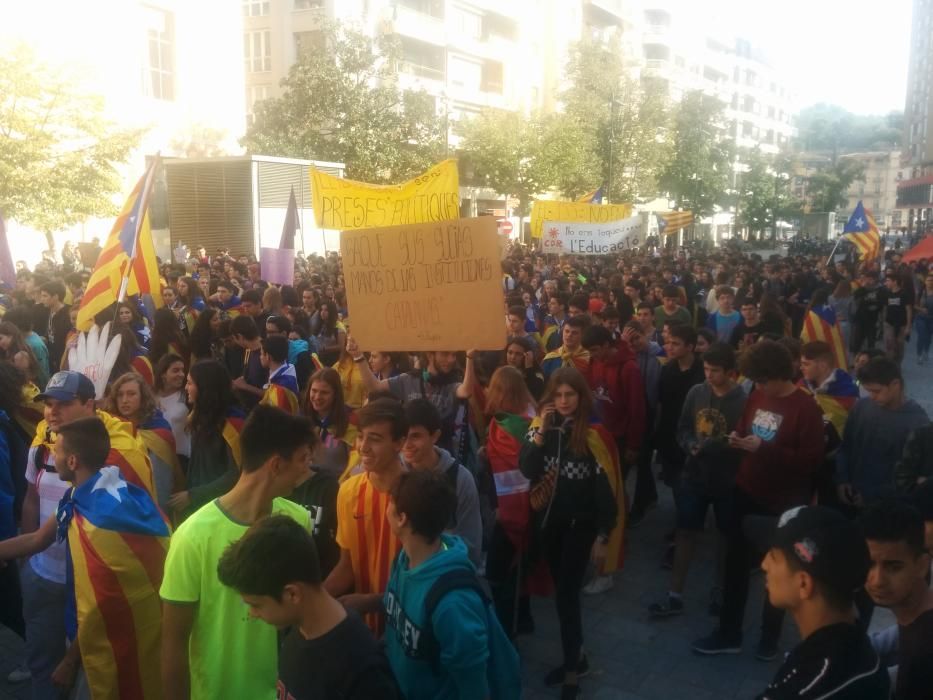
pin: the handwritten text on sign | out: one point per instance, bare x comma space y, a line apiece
425, 286
591, 239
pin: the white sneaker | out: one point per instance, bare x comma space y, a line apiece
20, 674
598, 585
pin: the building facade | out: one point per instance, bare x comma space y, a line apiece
878, 190
915, 191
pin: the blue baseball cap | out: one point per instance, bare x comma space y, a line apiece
68, 386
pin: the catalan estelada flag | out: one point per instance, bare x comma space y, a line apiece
593, 197
820, 324
117, 541
503, 444
128, 255
862, 232
673, 221
156, 434
836, 397
282, 390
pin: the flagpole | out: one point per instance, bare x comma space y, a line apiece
143, 211
830, 258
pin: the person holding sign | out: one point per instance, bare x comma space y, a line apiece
438, 380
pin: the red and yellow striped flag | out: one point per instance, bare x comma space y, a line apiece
821, 324
673, 221
127, 255
862, 231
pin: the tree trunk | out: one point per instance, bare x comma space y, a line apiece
50, 240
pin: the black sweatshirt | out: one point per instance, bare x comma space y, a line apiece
582, 491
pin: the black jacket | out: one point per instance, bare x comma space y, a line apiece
582, 491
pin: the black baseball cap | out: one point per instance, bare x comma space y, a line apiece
826, 545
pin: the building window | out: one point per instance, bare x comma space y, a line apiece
466, 23
255, 8
254, 95
309, 4
257, 51
464, 73
160, 36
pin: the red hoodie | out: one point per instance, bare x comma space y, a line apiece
619, 395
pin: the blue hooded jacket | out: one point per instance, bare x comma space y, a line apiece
459, 624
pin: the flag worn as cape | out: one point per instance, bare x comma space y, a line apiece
156, 434
820, 324
604, 450
578, 359
117, 541
836, 397
503, 445
282, 390
143, 367
30, 411
233, 426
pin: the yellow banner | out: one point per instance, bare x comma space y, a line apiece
575, 212
347, 204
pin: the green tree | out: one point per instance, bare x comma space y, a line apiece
830, 129
59, 156
826, 190
764, 194
344, 104
620, 126
699, 172
511, 153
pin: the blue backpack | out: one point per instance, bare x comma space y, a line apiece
503, 669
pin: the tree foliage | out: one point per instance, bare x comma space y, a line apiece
699, 173
59, 156
826, 190
621, 126
511, 153
764, 194
344, 104
831, 129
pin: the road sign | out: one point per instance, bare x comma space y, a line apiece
505, 227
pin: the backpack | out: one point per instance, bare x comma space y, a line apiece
485, 491
503, 672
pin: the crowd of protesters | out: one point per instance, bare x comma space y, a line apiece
392, 513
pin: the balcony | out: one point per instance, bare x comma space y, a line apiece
603, 12
420, 25
420, 71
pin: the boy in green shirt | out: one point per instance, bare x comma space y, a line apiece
211, 648
670, 309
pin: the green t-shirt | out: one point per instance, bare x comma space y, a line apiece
681, 316
230, 654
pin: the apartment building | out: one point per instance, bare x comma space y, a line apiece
878, 191
915, 191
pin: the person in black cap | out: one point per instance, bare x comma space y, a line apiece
817, 561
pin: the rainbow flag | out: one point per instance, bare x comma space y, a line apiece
233, 426
580, 359
282, 390
673, 221
503, 443
862, 231
604, 450
820, 324
117, 542
127, 263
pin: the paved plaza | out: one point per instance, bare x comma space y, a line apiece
632, 657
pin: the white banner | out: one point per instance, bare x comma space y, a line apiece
583, 238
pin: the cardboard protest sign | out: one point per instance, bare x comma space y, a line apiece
572, 238
435, 286
347, 204
546, 210
277, 265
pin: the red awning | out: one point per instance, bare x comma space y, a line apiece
924, 249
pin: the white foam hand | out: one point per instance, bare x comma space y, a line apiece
94, 357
